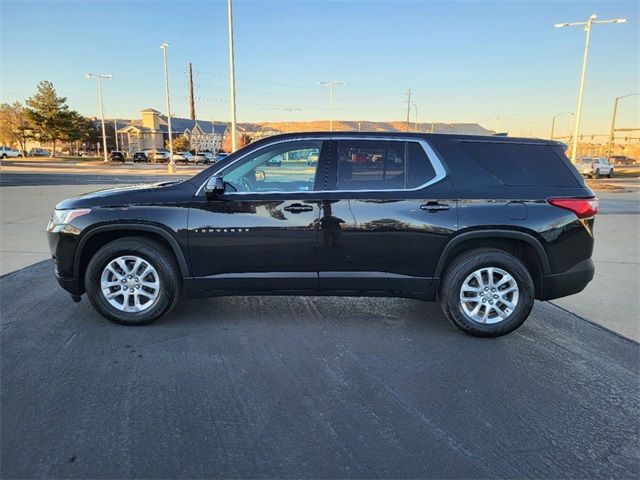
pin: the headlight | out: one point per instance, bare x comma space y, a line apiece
62, 217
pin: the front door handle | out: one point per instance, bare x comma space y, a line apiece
434, 206
298, 207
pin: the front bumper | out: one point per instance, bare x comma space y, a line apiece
72, 285
567, 283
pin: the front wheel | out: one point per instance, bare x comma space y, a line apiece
133, 281
598, 173
610, 173
487, 292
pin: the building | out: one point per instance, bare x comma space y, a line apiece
152, 132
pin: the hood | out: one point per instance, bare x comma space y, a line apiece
147, 193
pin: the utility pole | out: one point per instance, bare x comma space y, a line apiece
331, 84
408, 107
232, 79
613, 122
192, 105
115, 133
291, 110
553, 122
104, 132
415, 125
587, 28
171, 166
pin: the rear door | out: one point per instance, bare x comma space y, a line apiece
386, 218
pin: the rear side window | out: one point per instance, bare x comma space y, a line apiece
382, 165
521, 165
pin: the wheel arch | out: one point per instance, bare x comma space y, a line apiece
101, 235
523, 245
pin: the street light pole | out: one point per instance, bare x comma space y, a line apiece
100, 76
587, 28
115, 133
613, 122
171, 166
331, 84
232, 79
553, 122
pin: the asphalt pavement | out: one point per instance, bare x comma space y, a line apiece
264, 387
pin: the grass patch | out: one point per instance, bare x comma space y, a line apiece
596, 185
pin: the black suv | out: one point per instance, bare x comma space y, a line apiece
116, 156
484, 225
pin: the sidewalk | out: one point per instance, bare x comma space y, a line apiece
24, 215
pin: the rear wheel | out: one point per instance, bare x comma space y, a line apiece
487, 292
133, 281
598, 173
610, 173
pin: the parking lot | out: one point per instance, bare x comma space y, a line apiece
317, 387
313, 387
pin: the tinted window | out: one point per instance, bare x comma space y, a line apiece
382, 165
284, 167
521, 164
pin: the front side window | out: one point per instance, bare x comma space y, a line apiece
382, 165
284, 167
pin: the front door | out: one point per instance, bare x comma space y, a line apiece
387, 219
262, 233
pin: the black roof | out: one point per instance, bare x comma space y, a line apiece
412, 135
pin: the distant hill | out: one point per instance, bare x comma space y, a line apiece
365, 126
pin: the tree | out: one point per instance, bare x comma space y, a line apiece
181, 144
48, 114
14, 126
80, 128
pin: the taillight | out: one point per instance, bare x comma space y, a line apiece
582, 207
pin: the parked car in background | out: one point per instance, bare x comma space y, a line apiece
199, 158
210, 157
38, 152
140, 157
180, 156
312, 159
156, 155
116, 156
221, 156
484, 225
8, 152
595, 167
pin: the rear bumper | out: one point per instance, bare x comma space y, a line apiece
567, 283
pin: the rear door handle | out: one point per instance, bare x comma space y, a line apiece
298, 207
434, 206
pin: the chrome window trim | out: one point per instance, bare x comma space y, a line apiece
433, 157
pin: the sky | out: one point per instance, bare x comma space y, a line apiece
465, 61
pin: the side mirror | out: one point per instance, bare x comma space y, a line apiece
215, 185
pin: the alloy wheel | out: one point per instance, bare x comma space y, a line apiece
489, 295
130, 284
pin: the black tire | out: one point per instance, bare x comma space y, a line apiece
610, 173
465, 264
4, 155
598, 173
156, 255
